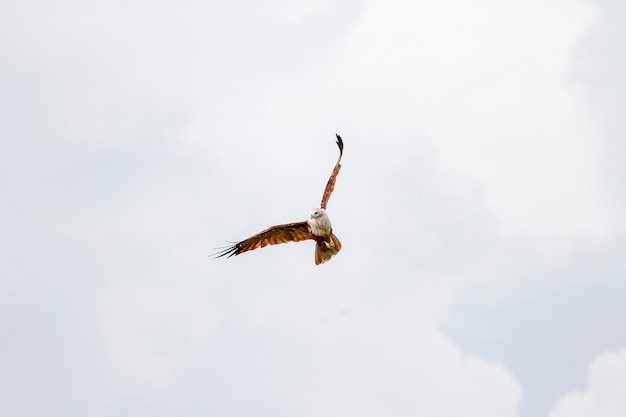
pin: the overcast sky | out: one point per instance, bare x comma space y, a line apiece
480, 206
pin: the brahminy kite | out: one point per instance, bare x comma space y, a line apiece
317, 228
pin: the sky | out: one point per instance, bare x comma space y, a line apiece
480, 207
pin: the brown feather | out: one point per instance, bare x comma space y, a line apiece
330, 185
326, 248
282, 233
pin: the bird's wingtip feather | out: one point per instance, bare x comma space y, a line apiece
227, 251
339, 142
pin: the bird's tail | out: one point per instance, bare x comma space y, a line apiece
326, 249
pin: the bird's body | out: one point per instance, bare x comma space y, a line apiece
327, 244
317, 227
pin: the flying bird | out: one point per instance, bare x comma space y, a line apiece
317, 227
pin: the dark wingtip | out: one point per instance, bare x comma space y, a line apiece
339, 143
227, 251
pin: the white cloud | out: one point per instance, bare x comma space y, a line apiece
489, 84
604, 396
149, 332
143, 134
395, 361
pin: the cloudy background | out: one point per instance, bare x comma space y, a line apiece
480, 205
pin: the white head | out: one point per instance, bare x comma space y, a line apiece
317, 212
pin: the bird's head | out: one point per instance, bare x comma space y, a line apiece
317, 212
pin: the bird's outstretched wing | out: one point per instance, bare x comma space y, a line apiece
330, 185
282, 233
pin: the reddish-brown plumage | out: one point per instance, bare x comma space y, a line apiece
330, 185
282, 233
326, 248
